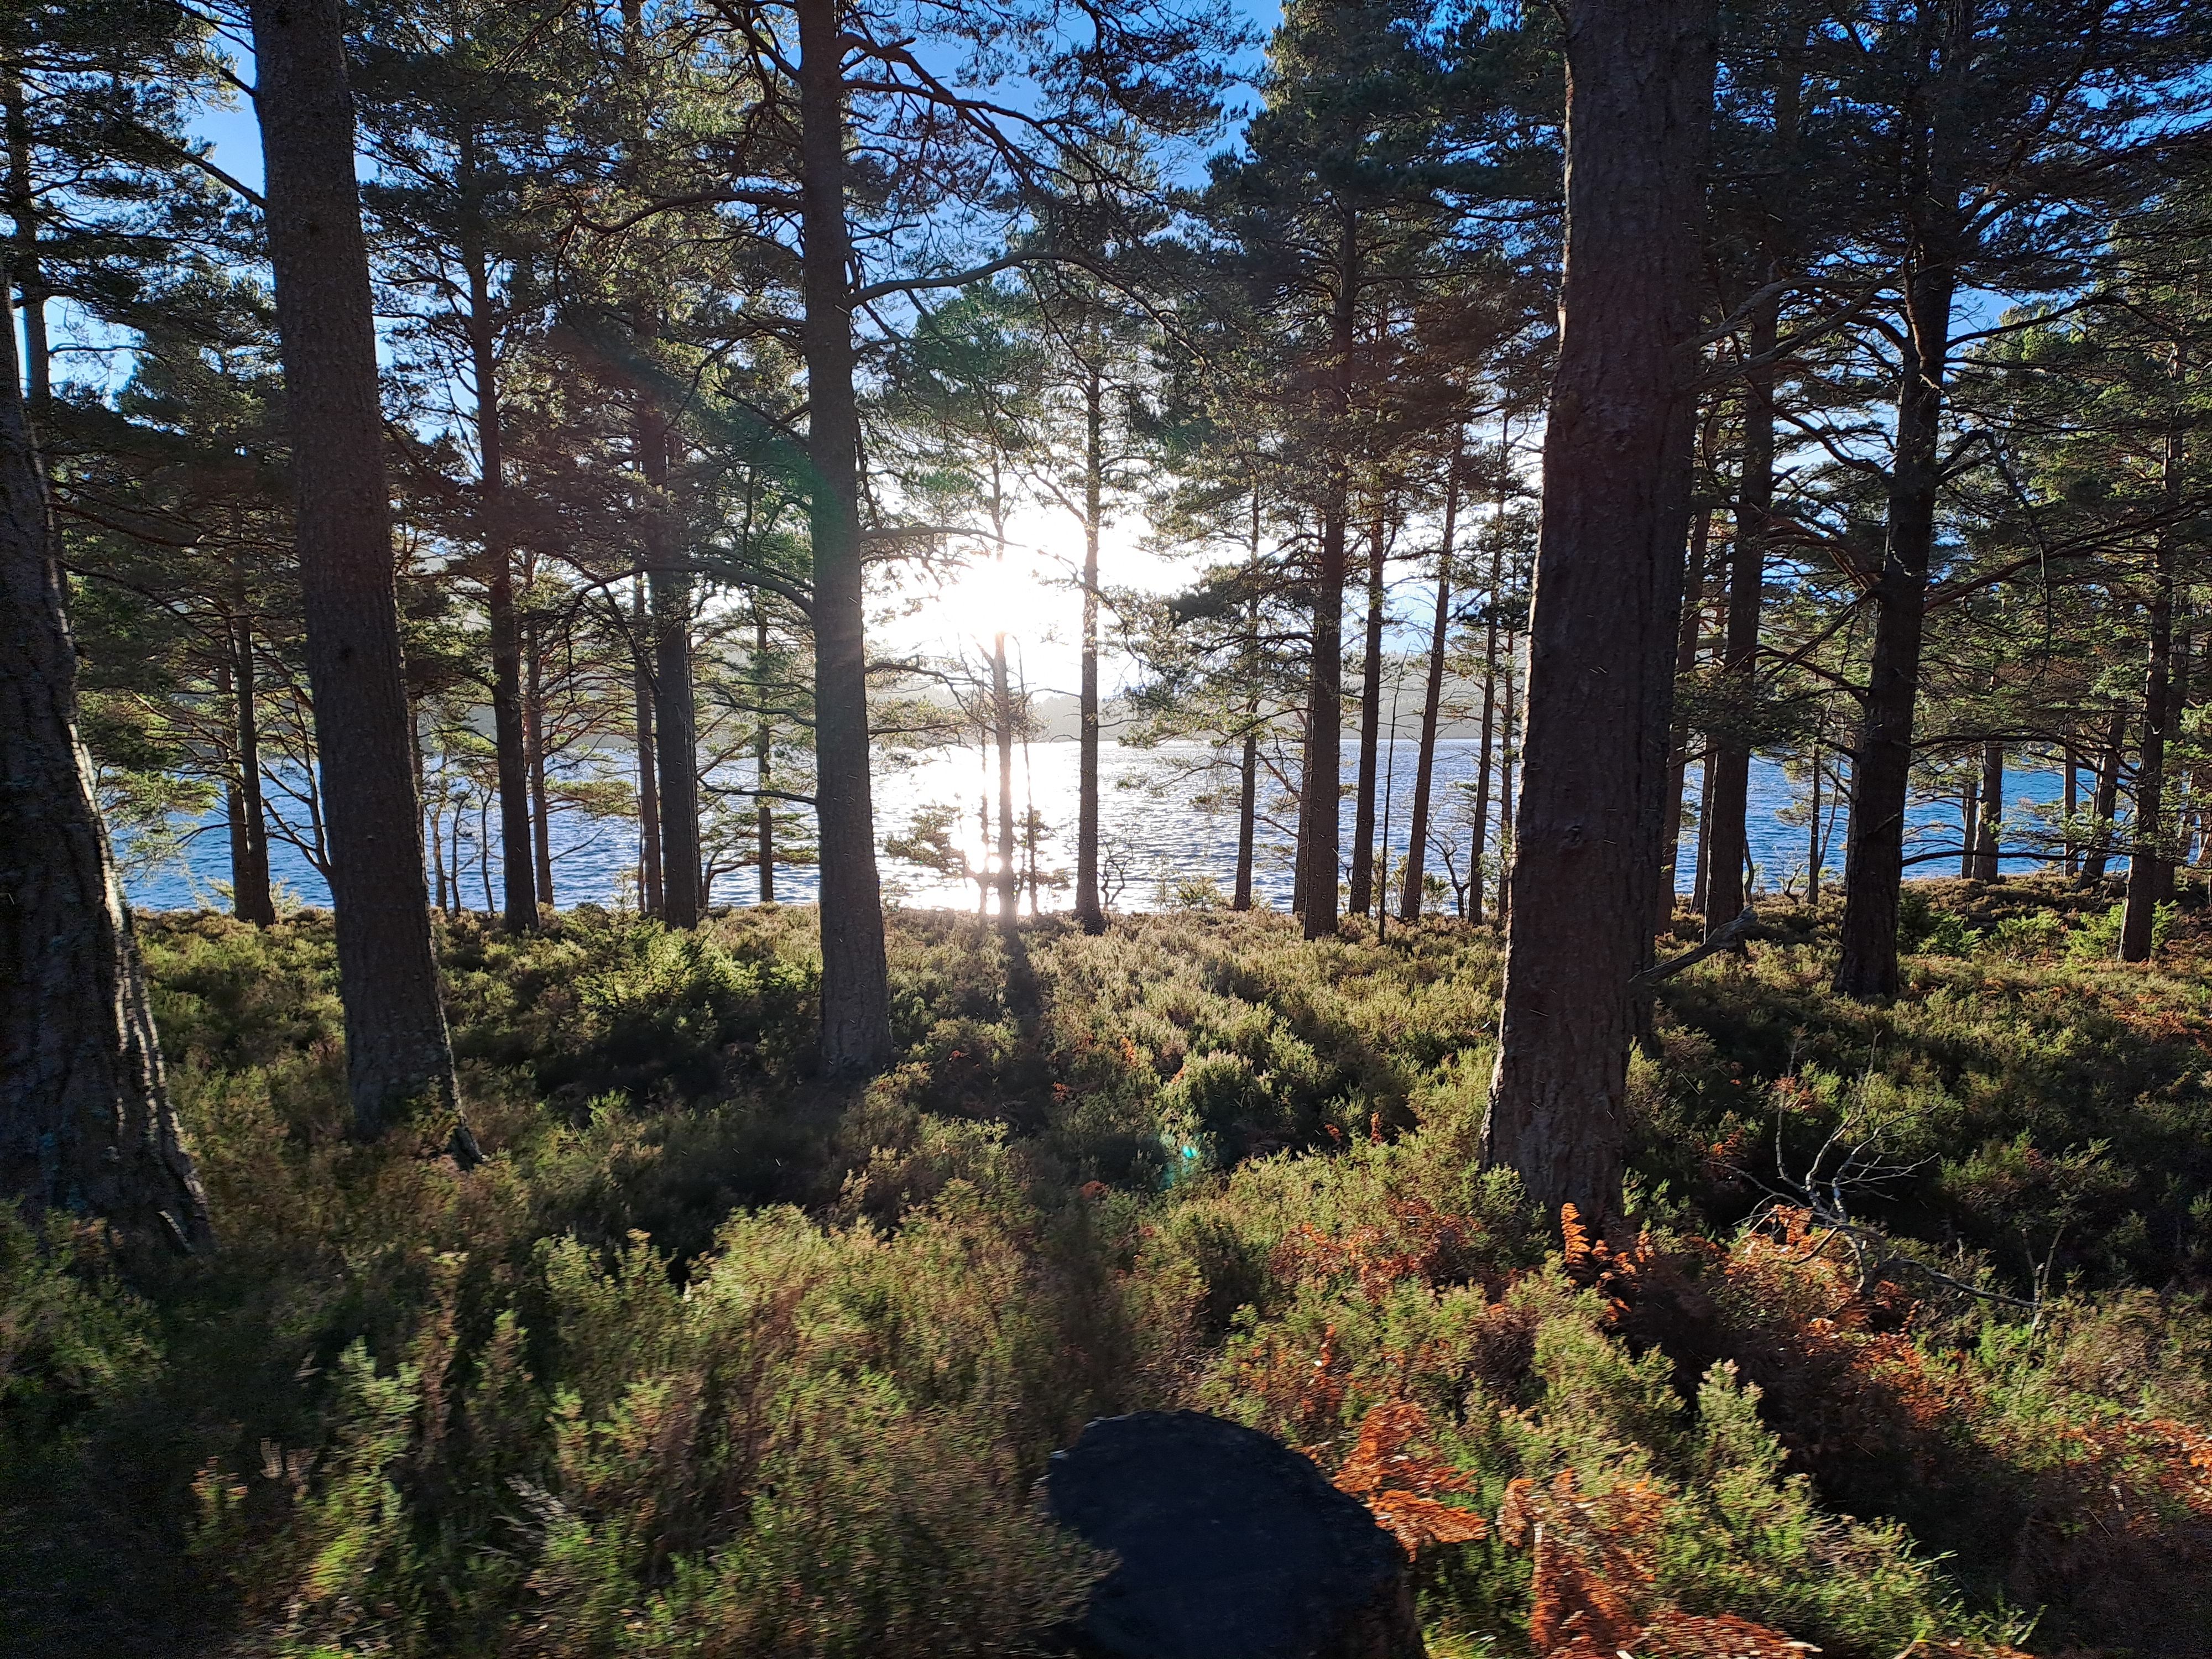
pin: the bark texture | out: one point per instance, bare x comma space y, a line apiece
1361, 898
397, 1053
1088, 910
1730, 761
1677, 759
251, 897
1989, 816
1882, 775
675, 709
85, 1123
1320, 791
856, 1028
1617, 491
1432, 697
2147, 844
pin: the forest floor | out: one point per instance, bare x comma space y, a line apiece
1911, 1354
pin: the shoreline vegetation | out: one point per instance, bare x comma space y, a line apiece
1905, 1350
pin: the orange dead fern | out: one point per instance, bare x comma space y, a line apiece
1592, 1595
1405, 1485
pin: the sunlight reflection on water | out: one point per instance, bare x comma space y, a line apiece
1150, 826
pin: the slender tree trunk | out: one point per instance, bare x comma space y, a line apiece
1618, 453
438, 857
1304, 820
763, 757
856, 1035
650, 895
1482, 769
1361, 899
1325, 700
2105, 802
517, 864
1088, 910
2177, 720
2147, 844
1678, 757
397, 1053
1970, 797
1882, 762
233, 799
1729, 756
1989, 819
533, 753
1815, 846
1508, 791
1002, 719
251, 897
675, 708
2071, 762
1028, 824
1409, 903
86, 1126
1248, 790
1882, 775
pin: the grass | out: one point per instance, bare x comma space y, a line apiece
712, 1358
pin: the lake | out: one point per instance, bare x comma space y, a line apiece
1153, 836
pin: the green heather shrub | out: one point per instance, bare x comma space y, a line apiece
712, 1358
72, 1338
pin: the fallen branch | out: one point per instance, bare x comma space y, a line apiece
1719, 940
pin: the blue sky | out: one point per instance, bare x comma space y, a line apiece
237, 140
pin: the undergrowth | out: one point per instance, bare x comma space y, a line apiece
1909, 1354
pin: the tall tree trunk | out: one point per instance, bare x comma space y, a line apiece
1480, 854
1970, 800
1432, 699
233, 799
1882, 775
1729, 756
1248, 779
1988, 817
1816, 847
2147, 844
1322, 791
856, 1029
1002, 719
533, 753
2071, 766
1882, 761
1361, 899
397, 1054
251, 897
86, 1126
1507, 795
763, 757
650, 896
437, 858
2177, 789
1088, 910
1248, 800
675, 708
1303, 821
1705, 840
1678, 754
2106, 801
1617, 496
518, 866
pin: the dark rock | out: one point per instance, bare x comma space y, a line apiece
1231, 1546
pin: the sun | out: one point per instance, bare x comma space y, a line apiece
1021, 592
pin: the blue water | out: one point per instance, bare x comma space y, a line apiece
1155, 839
